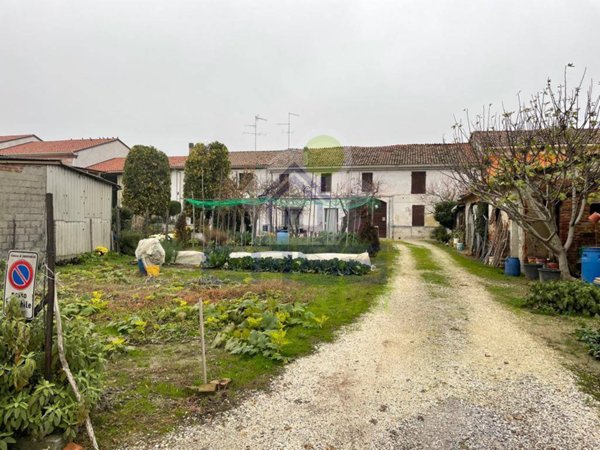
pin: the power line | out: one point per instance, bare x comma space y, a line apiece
255, 126
289, 127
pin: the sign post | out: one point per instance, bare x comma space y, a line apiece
19, 281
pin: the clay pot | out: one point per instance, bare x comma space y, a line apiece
551, 265
594, 217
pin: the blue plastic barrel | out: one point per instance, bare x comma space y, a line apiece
590, 264
283, 237
512, 266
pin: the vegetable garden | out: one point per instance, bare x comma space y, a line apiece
133, 341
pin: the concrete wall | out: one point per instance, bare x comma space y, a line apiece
23, 212
103, 152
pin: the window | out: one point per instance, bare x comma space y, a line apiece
245, 178
367, 181
331, 219
284, 183
325, 182
418, 181
418, 216
595, 208
292, 219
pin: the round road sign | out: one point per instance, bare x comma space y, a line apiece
20, 274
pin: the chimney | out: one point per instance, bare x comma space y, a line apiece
190, 145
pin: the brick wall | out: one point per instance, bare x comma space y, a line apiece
584, 232
22, 202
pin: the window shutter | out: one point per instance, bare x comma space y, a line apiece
418, 182
367, 181
418, 215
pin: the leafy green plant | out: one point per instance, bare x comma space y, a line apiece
257, 325
592, 339
564, 297
217, 257
443, 213
31, 405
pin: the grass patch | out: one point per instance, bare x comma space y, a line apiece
430, 271
147, 388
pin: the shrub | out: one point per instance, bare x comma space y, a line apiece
564, 297
128, 242
369, 235
30, 405
182, 232
441, 234
443, 213
174, 208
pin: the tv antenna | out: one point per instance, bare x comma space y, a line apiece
289, 126
255, 127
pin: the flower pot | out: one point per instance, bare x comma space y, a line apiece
455, 241
548, 274
540, 260
551, 265
531, 270
531, 259
460, 246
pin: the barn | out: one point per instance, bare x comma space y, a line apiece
82, 207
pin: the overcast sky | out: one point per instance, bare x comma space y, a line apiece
169, 72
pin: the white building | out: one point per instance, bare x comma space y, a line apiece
401, 177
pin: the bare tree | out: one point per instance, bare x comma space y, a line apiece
537, 159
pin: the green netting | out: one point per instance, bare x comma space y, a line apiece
345, 203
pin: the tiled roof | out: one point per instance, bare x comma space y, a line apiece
252, 160
411, 155
114, 165
177, 162
14, 137
59, 147
511, 138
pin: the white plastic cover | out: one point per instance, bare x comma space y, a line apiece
150, 252
190, 258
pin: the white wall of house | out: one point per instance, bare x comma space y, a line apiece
23, 140
393, 184
100, 153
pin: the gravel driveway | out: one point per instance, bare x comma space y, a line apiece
429, 367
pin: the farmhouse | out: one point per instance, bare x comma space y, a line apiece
82, 206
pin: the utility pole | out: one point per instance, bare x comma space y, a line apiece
289, 127
255, 127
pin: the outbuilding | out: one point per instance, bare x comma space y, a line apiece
82, 207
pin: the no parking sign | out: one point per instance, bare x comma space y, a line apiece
19, 280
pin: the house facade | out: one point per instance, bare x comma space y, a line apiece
401, 178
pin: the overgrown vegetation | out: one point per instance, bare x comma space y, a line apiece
31, 405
